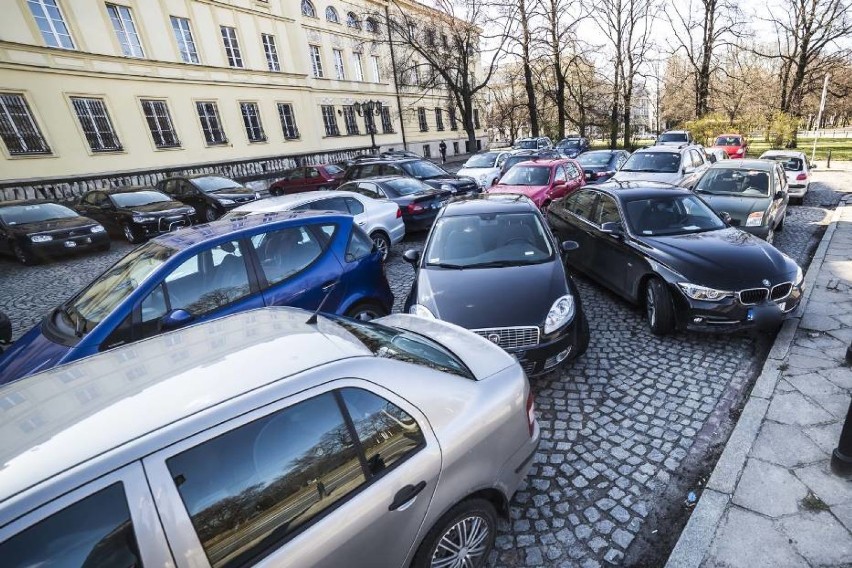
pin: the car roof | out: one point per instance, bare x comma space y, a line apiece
629, 190
785, 153
488, 203
30, 202
729, 134
764, 165
671, 149
126, 189
197, 176
284, 202
548, 162
675, 132
142, 387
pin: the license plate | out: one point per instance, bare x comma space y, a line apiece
70, 244
750, 314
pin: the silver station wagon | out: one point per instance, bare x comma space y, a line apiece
267, 438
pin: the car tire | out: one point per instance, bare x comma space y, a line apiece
479, 518
582, 338
366, 311
104, 247
210, 214
130, 234
382, 243
24, 257
780, 226
659, 308
275, 192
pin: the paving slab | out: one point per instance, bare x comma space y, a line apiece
832, 489
794, 408
825, 435
819, 538
748, 540
768, 489
786, 445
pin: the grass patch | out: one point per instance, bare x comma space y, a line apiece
813, 503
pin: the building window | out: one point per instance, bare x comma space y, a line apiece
370, 123
350, 121
439, 118
183, 36
232, 47
208, 114
160, 123
49, 20
329, 120
454, 125
476, 118
455, 147
288, 121
97, 127
18, 127
331, 15
122, 23
338, 64
427, 151
352, 21
271, 52
316, 60
308, 9
11, 400
371, 25
377, 75
359, 68
251, 120
387, 125
421, 116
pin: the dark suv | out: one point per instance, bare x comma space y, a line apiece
210, 195
420, 169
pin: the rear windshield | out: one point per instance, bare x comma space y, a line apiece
139, 198
407, 186
652, 162
527, 144
790, 164
594, 158
729, 141
212, 183
34, 213
333, 170
672, 137
569, 144
422, 169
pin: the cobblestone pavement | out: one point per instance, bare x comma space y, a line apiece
617, 425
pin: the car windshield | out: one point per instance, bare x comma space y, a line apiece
488, 240
422, 169
527, 144
481, 161
527, 175
333, 170
728, 141
406, 186
790, 164
34, 213
108, 290
724, 181
139, 198
569, 144
670, 215
213, 183
594, 158
672, 137
656, 162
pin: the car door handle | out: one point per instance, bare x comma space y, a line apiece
405, 495
329, 285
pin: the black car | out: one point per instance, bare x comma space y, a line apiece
572, 146
663, 248
210, 196
416, 168
419, 203
519, 156
33, 230
600, 165
136, 213
5, 330
490, 264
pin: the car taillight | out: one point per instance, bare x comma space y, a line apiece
398, 212
802, 176
531, 412
414, 208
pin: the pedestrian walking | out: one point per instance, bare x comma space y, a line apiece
442, 147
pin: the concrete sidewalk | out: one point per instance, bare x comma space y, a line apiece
772, 500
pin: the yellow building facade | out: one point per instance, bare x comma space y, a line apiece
100, 90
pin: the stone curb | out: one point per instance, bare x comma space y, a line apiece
697, 536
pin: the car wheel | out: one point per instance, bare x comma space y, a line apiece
463, 537
780, 225
582, 339
210, 214
382, 243
24, 257
104, 247
130, 234
659, 308
366, 311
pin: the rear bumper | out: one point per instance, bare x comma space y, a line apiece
797, 190
397, 232
420, 221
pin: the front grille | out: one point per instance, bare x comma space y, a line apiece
528, 366
753, 295
780, 291
510, 337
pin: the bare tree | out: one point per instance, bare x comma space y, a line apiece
560, 20
508, 109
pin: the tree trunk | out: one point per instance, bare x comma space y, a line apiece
525, 56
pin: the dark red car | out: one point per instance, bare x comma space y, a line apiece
307, 178
542, 180
734, 145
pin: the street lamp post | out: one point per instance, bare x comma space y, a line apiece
369, 110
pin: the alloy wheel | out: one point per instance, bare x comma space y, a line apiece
210, 214
651, 305
381, 246
366, 314
463, 545
128, 233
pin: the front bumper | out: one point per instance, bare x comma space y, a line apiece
161, 225
551, 352
67, 245
731, 315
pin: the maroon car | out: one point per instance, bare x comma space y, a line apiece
542, 180
307, 178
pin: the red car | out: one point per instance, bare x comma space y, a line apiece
734, 145
308, 178
542, 180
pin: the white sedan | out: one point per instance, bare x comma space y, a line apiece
798, 171
380, 218
484, 167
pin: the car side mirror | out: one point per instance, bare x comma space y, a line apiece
613, 229
813, 166
411, 256
779, 194
175, 319
726, 217
688, 169
568, 246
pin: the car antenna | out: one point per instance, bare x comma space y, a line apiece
313, 319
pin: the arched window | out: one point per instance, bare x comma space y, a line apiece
308, 9
352, 21
371, 25
331, 15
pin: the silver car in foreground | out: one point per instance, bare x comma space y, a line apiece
380, 218
272, 438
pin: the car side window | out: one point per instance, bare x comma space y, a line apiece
330, 204
297, 174
573, 171
208, 281
95, 531
368, 189
355, 206
286, 252
250, 489
581, 203
360, 245
312, 173
607, 211
90, 198
560, 175
170, 186
697, 160
186, 188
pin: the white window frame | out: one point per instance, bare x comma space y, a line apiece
52, 36
316, 61
17, 130
125, 30
291, 131
92, 107
250, 111
339, 69
329, 120
308, 9
205, 120
159, 121
377, 74
232, 46
350, 121
187, 49
358, 65
271, 52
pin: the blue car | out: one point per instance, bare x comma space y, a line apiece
295, 258
600, 165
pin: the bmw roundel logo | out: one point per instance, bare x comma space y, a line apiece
765, 282
494, 338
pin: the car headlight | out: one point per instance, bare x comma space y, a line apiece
754, 219
800, 276
447, 187
226, 201
560, 313
139, 219
421, 310
97, 229
40, 238
697, 292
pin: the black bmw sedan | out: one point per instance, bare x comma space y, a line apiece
32, 230
665, 249
418, 203
137, 213
491, 265
210, 196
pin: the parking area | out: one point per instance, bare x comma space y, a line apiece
627, 429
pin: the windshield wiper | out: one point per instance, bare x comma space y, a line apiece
448, 265
500, 263
77, 319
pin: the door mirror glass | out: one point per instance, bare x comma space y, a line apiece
779, 194
411, 256
568, 246
726, 217
175, 319
612, 228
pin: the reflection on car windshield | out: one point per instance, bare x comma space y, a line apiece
569, 144
747, 183
406, 186
527, 144
527, 175
139, 198
422, 169
34, 213
790, 164
672, 137
659, 162
594, 158
671, 215
213, 183
332, 169
488, 240
728, 141
481, 161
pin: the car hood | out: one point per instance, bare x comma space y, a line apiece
467, 297
448, 179
738, 208
30, 354
159, 207
54, 225
231, 192
474, 172
528, 190
727, 259
664, 177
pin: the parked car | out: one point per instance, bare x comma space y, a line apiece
734, 145
600, 165
542, 181
419, 203
680, 166
137, 213
34, 230
303, 259
798, 171
400, 154
715, 155
753, 194
308, 178
420, 169
675, 138
262, 437
517, 156
483, 248
572, 146
210, 196
539, 143
5, 330
484, 167
379, 218
666, 250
